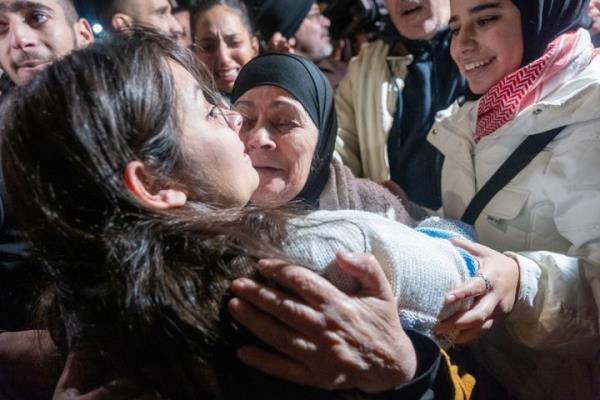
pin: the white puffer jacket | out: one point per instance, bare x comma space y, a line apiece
548, 218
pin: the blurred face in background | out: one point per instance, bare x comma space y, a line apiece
34, 34
594, 13
312, 37
183, 17
156, 14
224, 43
419, 19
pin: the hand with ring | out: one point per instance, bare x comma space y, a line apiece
494, 287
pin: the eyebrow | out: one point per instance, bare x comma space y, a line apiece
283, 104
477, 9
24, 5
162, 10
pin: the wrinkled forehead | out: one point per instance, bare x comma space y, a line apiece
271, 96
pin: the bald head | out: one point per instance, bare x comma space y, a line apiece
123, 14
70, 11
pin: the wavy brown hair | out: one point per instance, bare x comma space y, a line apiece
140, 289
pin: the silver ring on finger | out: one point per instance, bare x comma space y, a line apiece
486, 281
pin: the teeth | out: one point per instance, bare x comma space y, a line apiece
228, 74
411, 10
477, 64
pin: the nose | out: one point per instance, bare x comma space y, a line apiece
464, 40
22, 36
223, 53
259, 139
326, 22
175, 27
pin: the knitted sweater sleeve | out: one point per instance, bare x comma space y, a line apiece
421, 269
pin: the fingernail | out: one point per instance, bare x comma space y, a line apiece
242, 354
264, 263
240, 283
234, 304
450, 298
71, 393
347, 255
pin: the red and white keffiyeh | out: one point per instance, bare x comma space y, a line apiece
527, 85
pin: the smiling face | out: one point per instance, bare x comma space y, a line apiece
224, 44
34, 34
281, 140
487, 41
419, 19
212, 150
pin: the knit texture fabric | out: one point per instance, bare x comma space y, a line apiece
421, 269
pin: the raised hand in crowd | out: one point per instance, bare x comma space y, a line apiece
280, 44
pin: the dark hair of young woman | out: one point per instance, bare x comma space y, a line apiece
142, 291
239, 6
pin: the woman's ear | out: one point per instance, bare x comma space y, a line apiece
142, 186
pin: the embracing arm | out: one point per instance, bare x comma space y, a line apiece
359, 336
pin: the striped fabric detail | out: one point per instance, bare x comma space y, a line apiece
527, 85
501, 103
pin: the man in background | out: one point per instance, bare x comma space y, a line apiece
35, 33
297, 26
122, 14
389, 99
181, 12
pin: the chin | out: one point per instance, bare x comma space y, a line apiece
225, 88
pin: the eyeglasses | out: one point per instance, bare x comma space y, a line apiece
224, 116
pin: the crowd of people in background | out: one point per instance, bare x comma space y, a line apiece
232, 199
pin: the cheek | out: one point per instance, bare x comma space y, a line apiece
207, 58
511, 51
243, 54
299, 154
453, 51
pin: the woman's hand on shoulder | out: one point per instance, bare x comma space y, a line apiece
494, 288
322, 337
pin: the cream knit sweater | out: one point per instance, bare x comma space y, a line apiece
421, 269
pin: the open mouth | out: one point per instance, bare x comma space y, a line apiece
227, 75
410, 11
471, 66
267, 169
